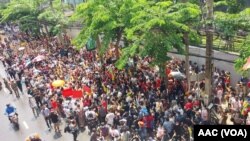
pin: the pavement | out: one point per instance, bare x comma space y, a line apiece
28, 123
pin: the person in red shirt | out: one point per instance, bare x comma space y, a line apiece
54, 104
86, 102
104, 104
148, 120
189, 105
158, 82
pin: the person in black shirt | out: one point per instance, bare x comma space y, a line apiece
19, 85
55, 120
178, 129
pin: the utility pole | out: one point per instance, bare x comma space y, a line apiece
209, 47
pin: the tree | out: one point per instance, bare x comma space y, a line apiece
191, 12
32, 16
245, 48
53, 16
209, 46
244, 55
110, 23
157, 29
22, 12
232, 6
228, 22
2, 7
228, 25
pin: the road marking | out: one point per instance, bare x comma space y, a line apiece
25, 125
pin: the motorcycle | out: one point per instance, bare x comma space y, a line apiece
14, 121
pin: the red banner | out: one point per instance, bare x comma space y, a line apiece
77, 94
67, 92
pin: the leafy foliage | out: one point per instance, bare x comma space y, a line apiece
244, 55
33, 15
228, 25
232, 6
109, 24
157, 29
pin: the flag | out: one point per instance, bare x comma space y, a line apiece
77, 94
67, 92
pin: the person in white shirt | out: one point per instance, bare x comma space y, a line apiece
33, 105
115, 134
110, 118
46, 114
90, 112
236, 104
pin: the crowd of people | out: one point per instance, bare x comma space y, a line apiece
132, 103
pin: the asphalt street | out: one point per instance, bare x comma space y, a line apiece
28, 123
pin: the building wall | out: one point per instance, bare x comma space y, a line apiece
222, 65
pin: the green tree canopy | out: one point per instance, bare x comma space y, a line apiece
110, 23
157, 29
244, 55
33, 15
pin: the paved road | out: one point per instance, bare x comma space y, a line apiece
28, 124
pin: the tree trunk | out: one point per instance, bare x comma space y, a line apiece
119, 36
51, 5
98, 47
186, 41
163, 74
209, 46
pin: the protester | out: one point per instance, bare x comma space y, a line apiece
33, 106
46, 114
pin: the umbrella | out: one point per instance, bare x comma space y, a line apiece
21, 48
38, 58
177, 75
247, 65
58, 83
